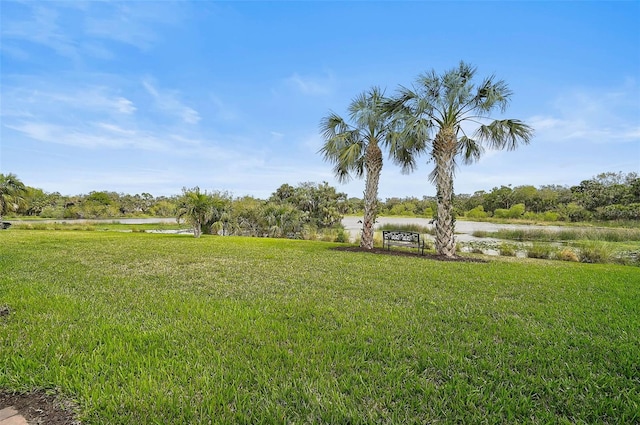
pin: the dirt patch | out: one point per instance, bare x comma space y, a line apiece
404, 253
40, 408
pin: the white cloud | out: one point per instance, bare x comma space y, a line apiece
91, 136
313, 86
133, 23
41, 27
600, 117
77, 28
168, 102
41, 100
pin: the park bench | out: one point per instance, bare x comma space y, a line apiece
402, 238
5, 225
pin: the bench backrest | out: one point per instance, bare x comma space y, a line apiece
399, 236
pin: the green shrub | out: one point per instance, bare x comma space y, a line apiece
516, 211
501, 213
52, 212
477, 212
507, 250
595, 252
550, 216
539, 251
428, 212
342, 236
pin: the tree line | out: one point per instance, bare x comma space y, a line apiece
289, 212
606, 196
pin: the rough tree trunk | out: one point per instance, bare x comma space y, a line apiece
444, 149
197, 229
373, 165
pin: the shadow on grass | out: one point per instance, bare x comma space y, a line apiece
407, 253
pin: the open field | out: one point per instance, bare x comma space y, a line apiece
147, 328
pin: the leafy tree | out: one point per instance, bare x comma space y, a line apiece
247, 216
441, 105
282, 220
196, 208
164, 207
527, 195
35, 201
322, 206
220, 213
100, 204
356, 148
12, 192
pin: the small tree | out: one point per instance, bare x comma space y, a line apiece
196, 208
12, 192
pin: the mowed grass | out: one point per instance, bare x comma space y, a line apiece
166, 329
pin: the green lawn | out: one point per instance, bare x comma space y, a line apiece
144, 328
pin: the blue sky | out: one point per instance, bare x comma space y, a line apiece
153, 96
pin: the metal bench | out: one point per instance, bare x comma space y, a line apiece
401, 238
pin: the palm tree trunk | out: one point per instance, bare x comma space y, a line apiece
444, 149
197, 228
373, 164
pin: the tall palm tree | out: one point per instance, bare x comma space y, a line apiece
443, 107
196, 207
356, 148
11, 193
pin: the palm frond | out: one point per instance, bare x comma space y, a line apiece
332, 125
470, 150
491, 94
505, 134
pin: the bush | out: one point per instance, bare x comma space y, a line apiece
619, 212
507, 250
516, 211
574, 212
477, 212
550, 216
52, 212
595, 252
567, 255
501, 213
341, 236
539, 251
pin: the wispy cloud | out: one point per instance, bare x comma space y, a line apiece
132, 23
168, 101
41, 27
606, 116
40, 100
312, 86
91, 135
78, 28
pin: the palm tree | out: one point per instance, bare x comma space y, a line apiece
355, 148
441, 105
196, 207
11, 193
